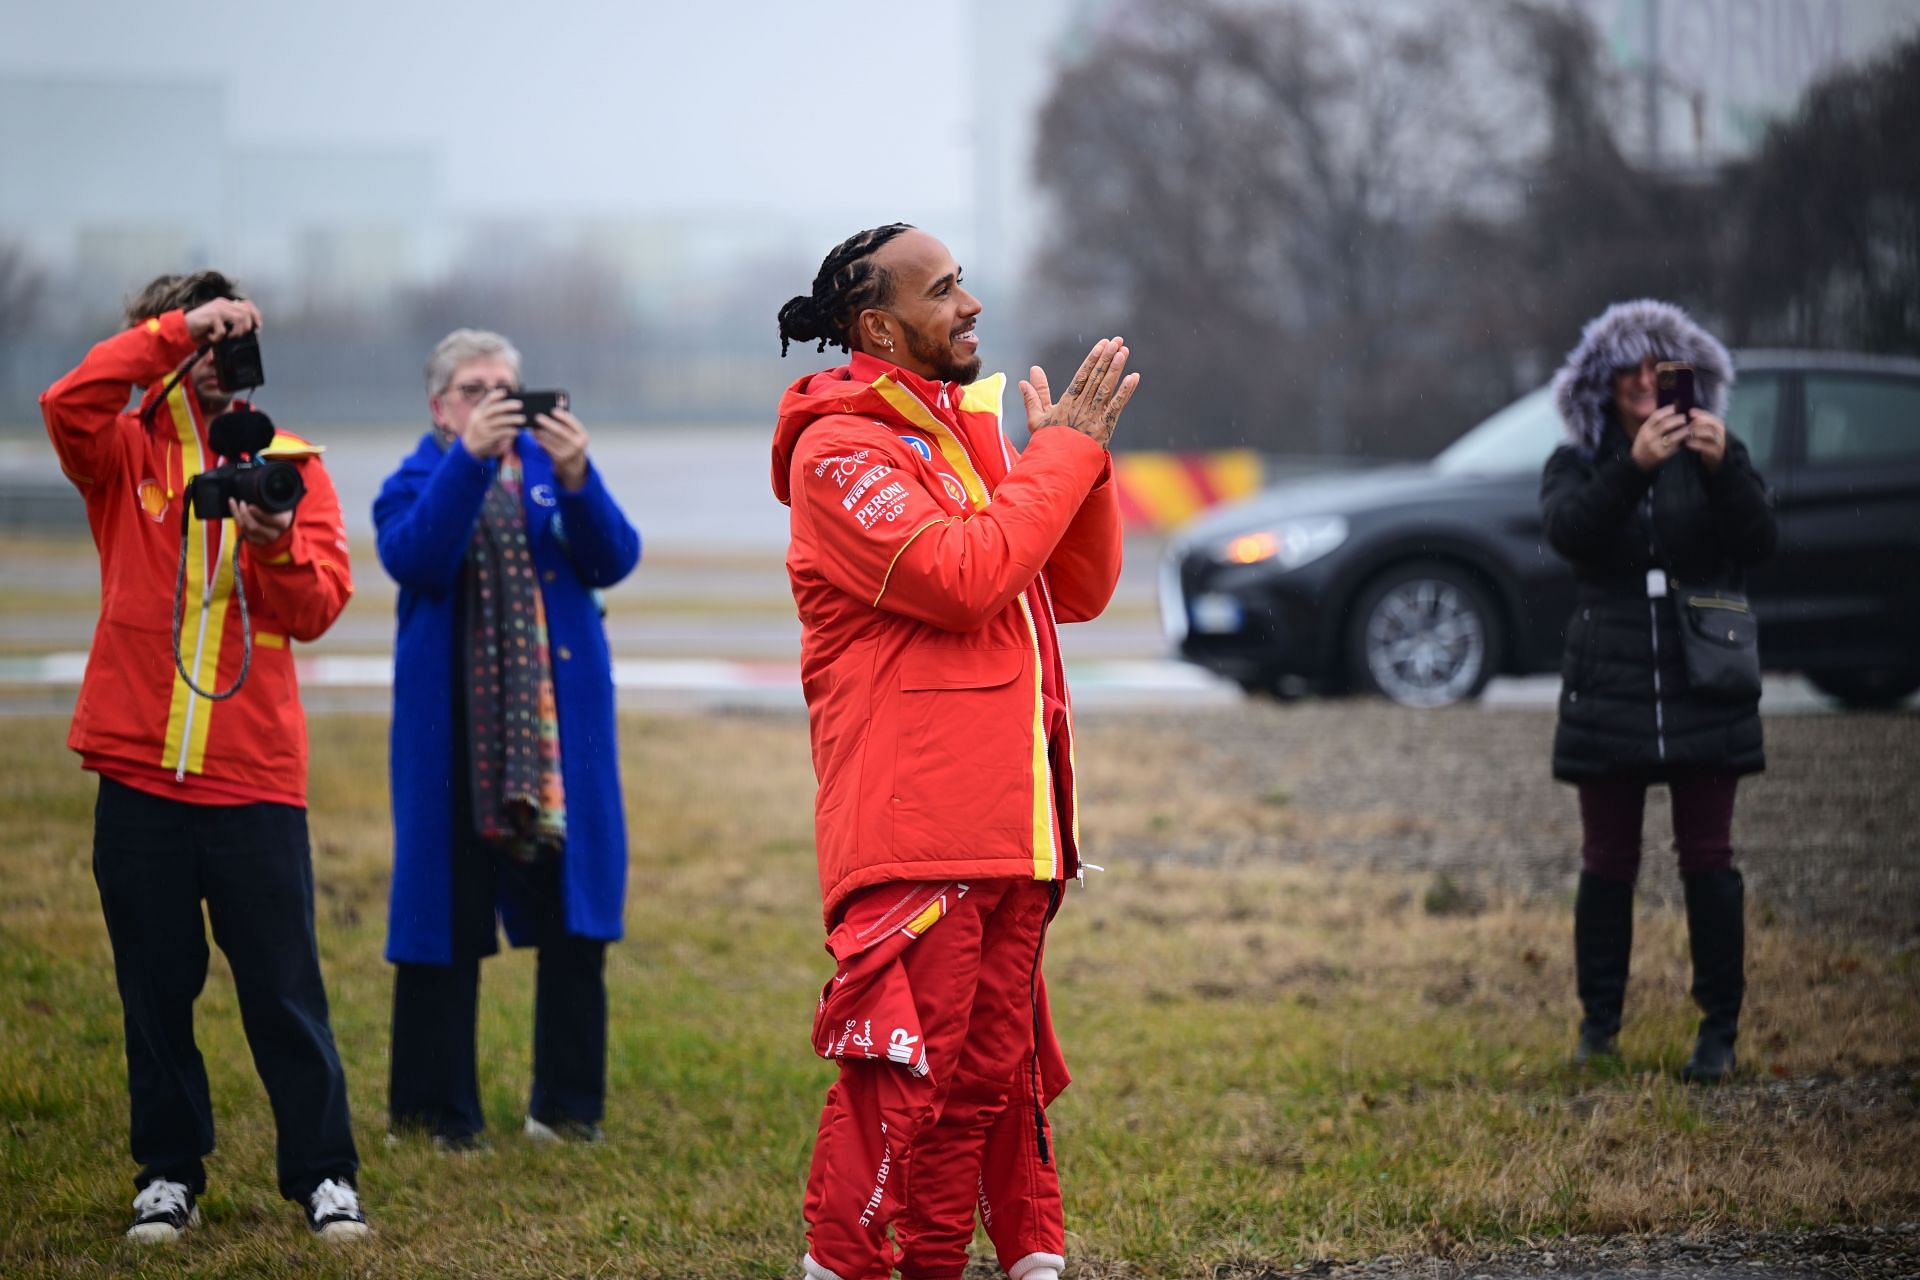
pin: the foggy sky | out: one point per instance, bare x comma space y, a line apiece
620, 106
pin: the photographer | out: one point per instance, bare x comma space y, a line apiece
204, 797
1659, 510
505, 765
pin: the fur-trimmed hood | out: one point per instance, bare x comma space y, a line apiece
1620, 337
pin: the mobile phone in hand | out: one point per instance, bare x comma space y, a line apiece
535, 403
1673, 385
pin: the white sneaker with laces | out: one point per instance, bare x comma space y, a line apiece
333, 1211
161, 1211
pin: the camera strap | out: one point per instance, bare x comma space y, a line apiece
180, 608
153, 406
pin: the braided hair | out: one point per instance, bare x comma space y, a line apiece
846, 284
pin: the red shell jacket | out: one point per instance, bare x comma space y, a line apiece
136, 720
930, 562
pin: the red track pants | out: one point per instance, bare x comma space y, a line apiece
939, 1108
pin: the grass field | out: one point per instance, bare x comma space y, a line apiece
1274, 1062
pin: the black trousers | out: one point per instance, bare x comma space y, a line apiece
434, 1083
155, 861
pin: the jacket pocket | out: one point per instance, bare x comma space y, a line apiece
963, 770
943, 668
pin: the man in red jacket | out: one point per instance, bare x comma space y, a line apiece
931, 563
204, 798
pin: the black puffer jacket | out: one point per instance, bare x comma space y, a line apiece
1625, 709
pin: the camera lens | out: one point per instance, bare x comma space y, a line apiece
279, 487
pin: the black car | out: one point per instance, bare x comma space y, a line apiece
1423, 582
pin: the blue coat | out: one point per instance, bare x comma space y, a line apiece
424, 519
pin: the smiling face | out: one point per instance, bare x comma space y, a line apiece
929, 316
1633, 396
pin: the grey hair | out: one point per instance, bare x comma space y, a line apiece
1620, 338
461, 346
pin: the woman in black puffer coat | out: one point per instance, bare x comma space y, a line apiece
1647, 505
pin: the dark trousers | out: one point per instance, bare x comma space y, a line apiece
1613, 809
155, 861
434, 1083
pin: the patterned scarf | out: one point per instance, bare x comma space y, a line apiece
513, 727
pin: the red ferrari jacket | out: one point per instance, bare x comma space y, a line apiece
930, 563
137, 721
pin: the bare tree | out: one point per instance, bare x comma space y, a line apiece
1259, 190
1829, 237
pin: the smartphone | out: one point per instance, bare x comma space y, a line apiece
1673, 385
534, 403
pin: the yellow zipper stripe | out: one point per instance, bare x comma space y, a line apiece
1045, 857
951, 449
189, 716
1073, 760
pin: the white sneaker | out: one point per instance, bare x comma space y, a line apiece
1037, 1266
162, 1211
814, 1271
566, 1131
333, 1211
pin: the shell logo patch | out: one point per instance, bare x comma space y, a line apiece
954, 488
152, 499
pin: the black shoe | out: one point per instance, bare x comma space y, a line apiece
1596, 1051
333, 1211
1602, 951
458, 1144
161, 1211
1717, 936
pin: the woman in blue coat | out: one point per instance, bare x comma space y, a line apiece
504, 760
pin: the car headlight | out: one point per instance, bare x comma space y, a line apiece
1289, 544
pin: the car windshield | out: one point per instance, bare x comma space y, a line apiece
1518, 438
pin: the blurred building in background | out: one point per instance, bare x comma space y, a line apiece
1703, 79
663, 314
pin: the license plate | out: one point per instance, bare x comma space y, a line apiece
1215, 613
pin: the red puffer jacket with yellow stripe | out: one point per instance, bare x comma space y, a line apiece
930, 563
137, 720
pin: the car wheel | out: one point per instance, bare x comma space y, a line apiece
1867, 687
1423, 634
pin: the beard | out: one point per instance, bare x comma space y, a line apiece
937, 355
213, 399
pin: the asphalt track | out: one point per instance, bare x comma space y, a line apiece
705, 622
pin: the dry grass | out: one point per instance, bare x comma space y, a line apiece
1275, 1060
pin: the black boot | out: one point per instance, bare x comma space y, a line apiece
1602, 949
1717, 936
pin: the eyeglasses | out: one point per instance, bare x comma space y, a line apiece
475, 390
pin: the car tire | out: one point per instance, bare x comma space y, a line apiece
1866, 688
1425, 634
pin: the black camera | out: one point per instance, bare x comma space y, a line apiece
236, 362
239, 435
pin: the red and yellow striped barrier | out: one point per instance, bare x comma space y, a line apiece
1162, 491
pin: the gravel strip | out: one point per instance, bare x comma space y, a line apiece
1829, 836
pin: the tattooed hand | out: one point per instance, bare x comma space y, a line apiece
1094, 399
